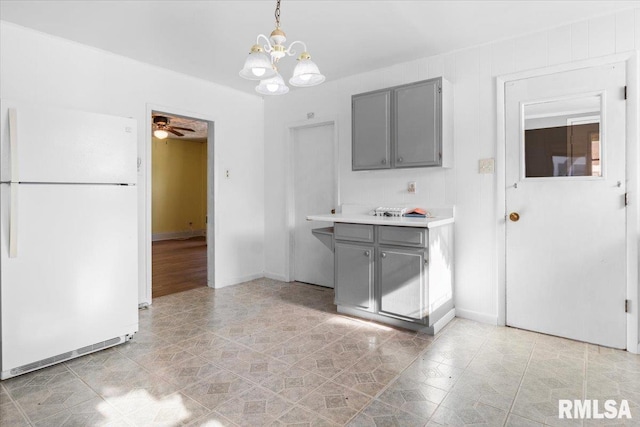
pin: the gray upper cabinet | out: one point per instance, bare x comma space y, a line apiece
420, 123
371, 130
417, 125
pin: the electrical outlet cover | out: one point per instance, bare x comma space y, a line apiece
486, 165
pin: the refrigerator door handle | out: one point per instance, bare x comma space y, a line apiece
13, 143
13, 222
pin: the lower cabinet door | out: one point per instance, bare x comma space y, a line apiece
403, 287
354, 275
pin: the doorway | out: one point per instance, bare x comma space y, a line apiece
179, 203
314, 191
565, 172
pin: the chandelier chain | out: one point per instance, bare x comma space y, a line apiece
277, 14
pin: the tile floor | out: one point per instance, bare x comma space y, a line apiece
273, 353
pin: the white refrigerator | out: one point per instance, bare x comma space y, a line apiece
68, 235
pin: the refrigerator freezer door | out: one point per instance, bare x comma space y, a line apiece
56, 145
73, 282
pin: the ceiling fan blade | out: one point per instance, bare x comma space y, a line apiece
169, 129
179, 128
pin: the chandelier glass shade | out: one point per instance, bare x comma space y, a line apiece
262, 61
306, 73
257, 66
273, 86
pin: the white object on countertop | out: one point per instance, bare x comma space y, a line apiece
387, 211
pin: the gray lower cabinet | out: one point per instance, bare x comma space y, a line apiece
398, 275
354, 270
403, 287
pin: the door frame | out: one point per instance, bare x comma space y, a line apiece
290, 215
632, 177
212, 192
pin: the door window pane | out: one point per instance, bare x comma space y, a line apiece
562, 138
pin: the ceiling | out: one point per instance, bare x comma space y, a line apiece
199, 127
210, 39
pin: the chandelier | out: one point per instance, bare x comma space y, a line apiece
263, 67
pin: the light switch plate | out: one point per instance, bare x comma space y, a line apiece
486, 165
411, 188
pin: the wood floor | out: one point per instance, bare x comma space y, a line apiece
178, 265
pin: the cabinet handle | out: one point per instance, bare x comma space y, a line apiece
384, 161
383, 255
367, 253
426, 261
400, 159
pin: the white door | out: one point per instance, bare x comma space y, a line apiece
565, 204
314, 193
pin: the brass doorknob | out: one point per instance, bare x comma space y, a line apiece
514, 216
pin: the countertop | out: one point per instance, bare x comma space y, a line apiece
357, 218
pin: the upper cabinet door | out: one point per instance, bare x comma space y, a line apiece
371, 127
418, 116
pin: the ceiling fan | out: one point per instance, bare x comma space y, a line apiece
162, 128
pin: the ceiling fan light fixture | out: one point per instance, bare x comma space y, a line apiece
306, 73
160, 133
162, 128
257, 66
272, 86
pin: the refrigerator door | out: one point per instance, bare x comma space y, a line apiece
73, 280
53, 145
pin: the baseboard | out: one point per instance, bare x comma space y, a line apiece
477, 316
275, 276
230, 281
429, 330
440, 324
172, 235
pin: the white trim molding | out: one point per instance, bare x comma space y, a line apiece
633, 182
275, 276
212, 191
490, 319
230, 281
178, 235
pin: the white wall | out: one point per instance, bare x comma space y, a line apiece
472, 73
42, 69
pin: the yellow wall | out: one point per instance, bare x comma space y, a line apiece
179, 182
